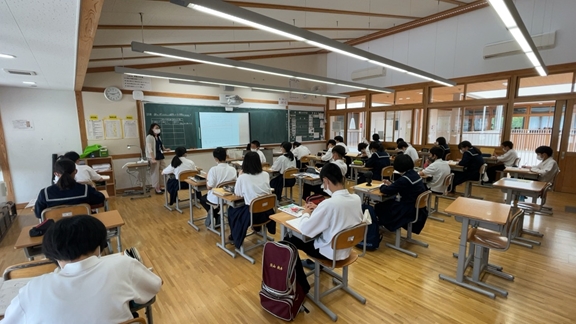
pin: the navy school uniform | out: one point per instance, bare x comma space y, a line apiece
446, 150
472, 161
377, 161
79, 194
394, 214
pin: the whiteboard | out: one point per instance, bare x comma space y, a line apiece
224, 129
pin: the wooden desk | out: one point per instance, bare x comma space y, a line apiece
371, 193
110, 219
106, 197
141, 168
521, 173
353, 155
357, 168
229, 199
476, 212
193, 187
519, 186
454, 166
302, 179
282, 218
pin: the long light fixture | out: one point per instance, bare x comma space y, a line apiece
250, 18
224, 62
512, 20
210, 81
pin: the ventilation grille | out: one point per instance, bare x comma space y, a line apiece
20, 72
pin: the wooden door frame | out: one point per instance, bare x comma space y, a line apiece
564, 140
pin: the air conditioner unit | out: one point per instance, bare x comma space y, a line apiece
369, 73
542, 41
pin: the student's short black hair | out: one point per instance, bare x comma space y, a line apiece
508, 144
441, 141
375, 137
255, 142
399, 140
403, 163
219, 153
362, 146
402, 145
437, 151
340, 150
339, 138
72, 156
375, 145
333, 173
464, 144
544, 150
331, 141
296, 144
252, 163
72, 237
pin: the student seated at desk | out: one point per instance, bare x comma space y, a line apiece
376, 138
472, 161
84, 174
327, 157
283, 162
222, 172
441, 141
252, 183
396, 213
299, 151
340, 142
409, 150
362, 148
178, 165
338, 159
438, 170
66, 191
86, 288
548, 167
255, 147
378, 160
505, 160
323, 222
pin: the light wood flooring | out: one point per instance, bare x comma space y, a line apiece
202, 284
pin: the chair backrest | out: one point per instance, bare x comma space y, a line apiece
544, 193
422, 201
482, 171
388, 172
418, 163
517, 214
348, 238
448, 157
305, 159
29, 269
554, 179
516, 162
448, 183
186, 174
57, 212
263, 203
226, 183
290, 172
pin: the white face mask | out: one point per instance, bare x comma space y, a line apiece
462, 151
327, 190
539, 157
254, 150
156, 131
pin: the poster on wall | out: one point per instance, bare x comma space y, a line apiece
23, 124
136, 82
112, 129
94, 129
130, 128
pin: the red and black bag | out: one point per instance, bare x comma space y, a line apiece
315, 199
281, 295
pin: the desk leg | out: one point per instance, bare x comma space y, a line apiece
282, 232
509, 196
142, 176
191, 221
106, 206
118, 239
196, 189
166, 194
222, 243
300, 180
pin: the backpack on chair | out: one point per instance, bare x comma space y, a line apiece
281, 295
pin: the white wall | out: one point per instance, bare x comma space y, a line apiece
454, 47
55, 130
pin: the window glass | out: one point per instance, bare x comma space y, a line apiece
336, 126
482, 125
382, 99
377, 124
444, 122
340, 104
487, 90
403, 125
389, 127
554, 83
528, 131
356, 131
409, 97
442, 94
356, 102
332, 104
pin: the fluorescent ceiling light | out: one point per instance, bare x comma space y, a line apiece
7, 56
29, 82
203, 80
533, 59
250, 18
503, 12
224, 62
541, 71
520, 39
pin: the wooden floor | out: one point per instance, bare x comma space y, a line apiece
202, 284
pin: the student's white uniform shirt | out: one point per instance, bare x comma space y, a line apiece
251, 186
262, 157
327, 156
546, 170
223, 172
94, 290
342, 211
187, 165
282, 163
438, 170
344, 145
301, 151
508, 158
342, 165
411, 151
86, 174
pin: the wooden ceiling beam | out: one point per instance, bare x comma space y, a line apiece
182, 63
173, 27
209, 43
90, 11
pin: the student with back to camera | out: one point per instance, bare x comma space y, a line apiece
155, 154
66, 191
84, 174
255, 147
438, 170
340, 142
472, 161
222, 172
178, 165
283, 162
338, 159
299, 151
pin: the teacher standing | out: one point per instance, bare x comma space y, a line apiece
155, 154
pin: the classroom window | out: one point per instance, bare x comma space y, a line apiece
554, 83
409, 97
389, 127
336, 126
356, 102
417, 126
531, 130
356, 129
572, 136
487, 90
482, 125
444, 122
377, 124
442, 94
340, 104
382, 100
332, 104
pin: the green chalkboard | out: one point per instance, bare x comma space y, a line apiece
181, 123
306, 125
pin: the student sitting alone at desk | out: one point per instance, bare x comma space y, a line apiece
338, 155
362, 147
409, 150
299, 151
504, 161
66, 191
396, 213
340, 142
255, 147
441, 141
86, 288
471, 160
178, 165
438, 170
547, 168
324, 221
252, 183
283, 162
84, 174
378, 160
327, 157
222, 172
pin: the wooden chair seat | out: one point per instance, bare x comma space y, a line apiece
341, 263
490, 239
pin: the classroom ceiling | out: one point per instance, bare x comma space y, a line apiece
171, 25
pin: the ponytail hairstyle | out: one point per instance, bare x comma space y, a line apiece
180, 151
287, 146
65, 168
